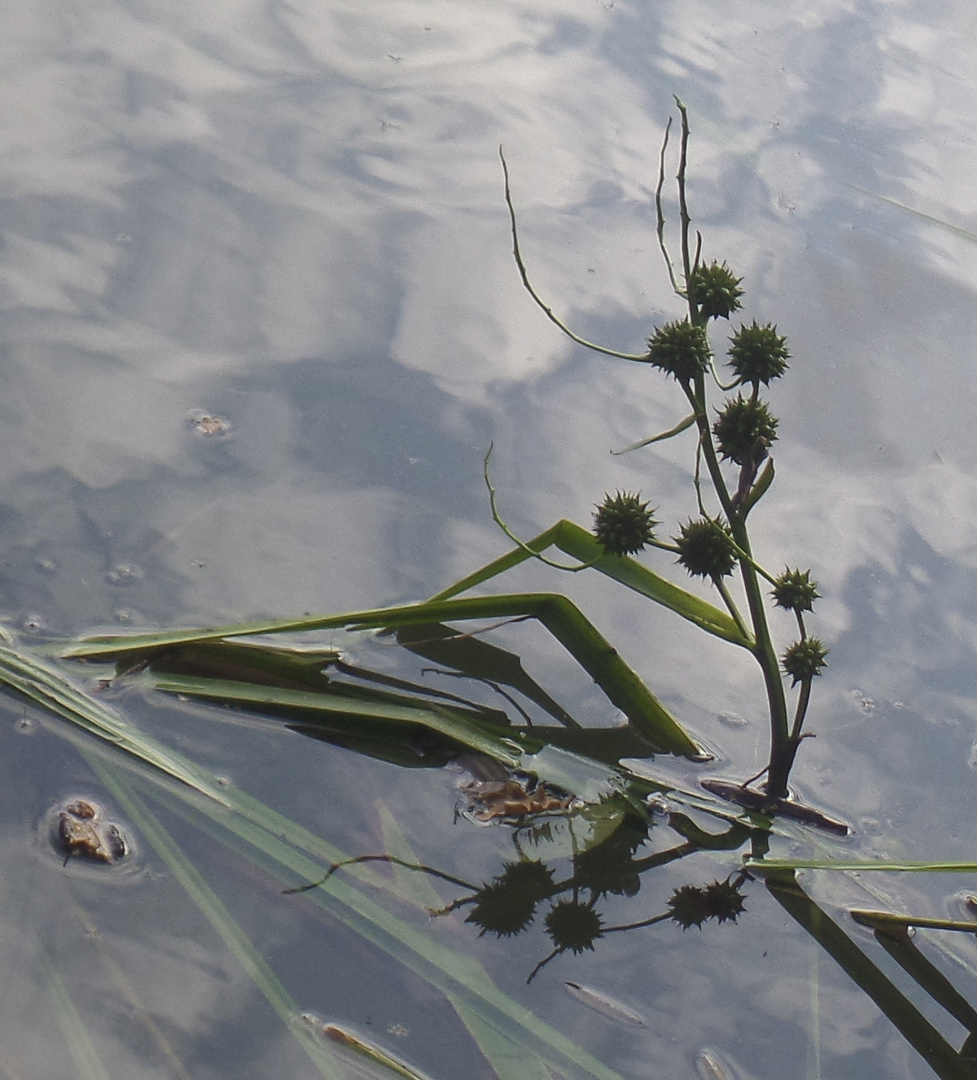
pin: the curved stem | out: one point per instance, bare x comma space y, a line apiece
781, 747
496, 517
661, 213
540, 303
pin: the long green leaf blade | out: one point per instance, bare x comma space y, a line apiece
559, 615
51, 689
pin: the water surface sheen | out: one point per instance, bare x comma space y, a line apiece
261, 323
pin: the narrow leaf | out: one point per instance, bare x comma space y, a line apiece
679, 427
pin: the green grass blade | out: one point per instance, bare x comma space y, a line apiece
577, 542
916, 213
293, 854
560, 617
583, 545
892, 865
884, 920
77, 1038
52, 690
441, 720
216, 913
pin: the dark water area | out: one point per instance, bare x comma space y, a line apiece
261, 323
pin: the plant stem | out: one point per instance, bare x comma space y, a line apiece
783, 746
783, 742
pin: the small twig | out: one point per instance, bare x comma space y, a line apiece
377, 858
753, 779
644, 922
548, 311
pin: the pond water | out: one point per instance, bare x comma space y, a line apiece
261, 322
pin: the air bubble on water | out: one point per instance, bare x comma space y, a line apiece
208, 424
33, 623
123, 574
658, 805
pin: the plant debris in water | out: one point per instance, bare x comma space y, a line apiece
83, 832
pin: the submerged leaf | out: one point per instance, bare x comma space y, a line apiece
52, 690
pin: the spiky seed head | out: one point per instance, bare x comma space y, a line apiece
496, 912
795, 591
804, 659
623, 523
744, 425
724, 901
692, 905
574, 926
679, 349
715, 290
689, 906
507, 905
758, 354
705, 548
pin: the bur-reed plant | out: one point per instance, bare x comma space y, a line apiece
733, 466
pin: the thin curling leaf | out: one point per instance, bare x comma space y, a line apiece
678, 429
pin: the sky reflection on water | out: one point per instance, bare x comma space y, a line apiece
291, 215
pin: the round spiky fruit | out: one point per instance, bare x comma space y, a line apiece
507, 905
689, 906
715, 290
574, 926
804, 659
795, 591
496, 913
744, 425
623, 523
724, 901
705, 548
680, 349
758, 354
